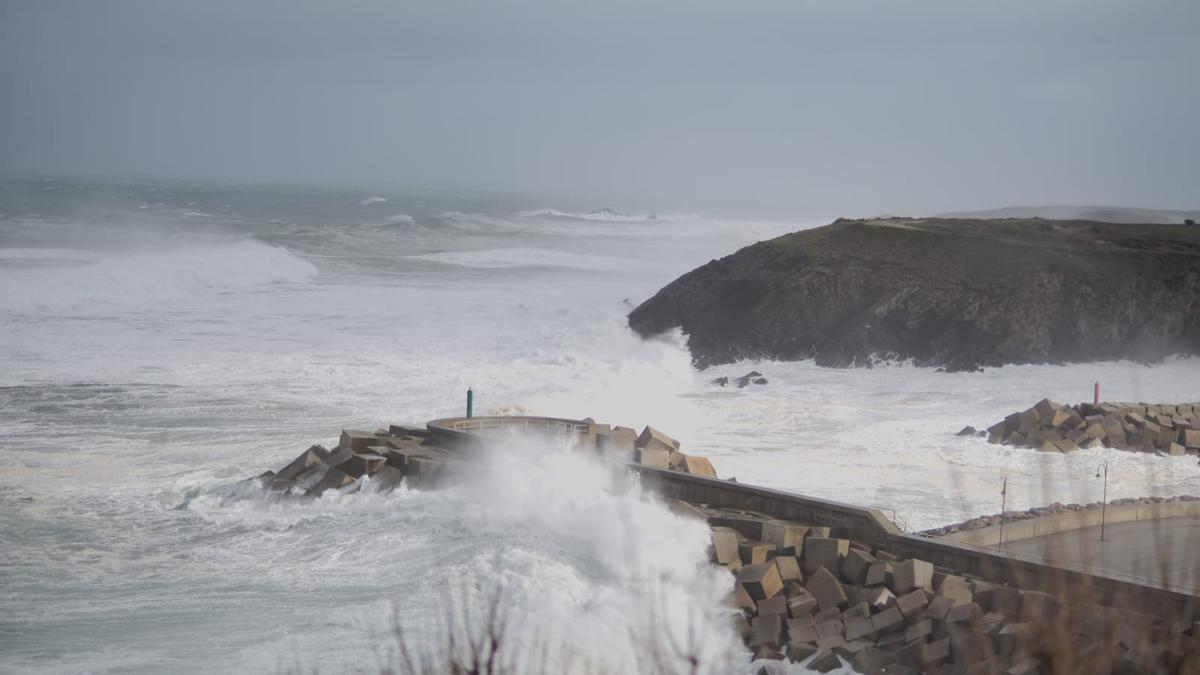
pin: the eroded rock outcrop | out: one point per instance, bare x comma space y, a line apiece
943, 292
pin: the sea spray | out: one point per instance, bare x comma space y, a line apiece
603, 577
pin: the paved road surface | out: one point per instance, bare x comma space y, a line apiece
1166, 549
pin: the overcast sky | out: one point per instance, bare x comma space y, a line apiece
839, 106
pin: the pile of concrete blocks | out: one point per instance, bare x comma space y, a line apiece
654, 448
382, 460
805, 595
1169, 429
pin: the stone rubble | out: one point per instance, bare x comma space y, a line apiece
818, 601
386, 457
1166, 429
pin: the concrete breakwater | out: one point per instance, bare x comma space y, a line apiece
1058, 517
817, 581
1172, 429
382, 459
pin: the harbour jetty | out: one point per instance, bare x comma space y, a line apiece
1171, 429
816, 581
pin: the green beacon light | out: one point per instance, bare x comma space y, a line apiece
470, 402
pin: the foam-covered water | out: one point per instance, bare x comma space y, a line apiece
160, 343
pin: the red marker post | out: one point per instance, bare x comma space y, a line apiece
1096, 394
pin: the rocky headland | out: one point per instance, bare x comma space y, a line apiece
952, 293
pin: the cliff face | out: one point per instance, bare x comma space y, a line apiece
943, 292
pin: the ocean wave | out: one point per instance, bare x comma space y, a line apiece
399, 219
373, 200
81, 278
515, 258
595, 215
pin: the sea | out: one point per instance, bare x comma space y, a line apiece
160, 343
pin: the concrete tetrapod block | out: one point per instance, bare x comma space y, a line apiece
786, 534
789, 568
619, 443
859, 628
879, 598
851, 648
741, 599
653, 438
878, 574
912, 604
822, 552
798, 652
824, 661
310, 477
748, 525
773, 605
1190, 438
360, 440
872, 660
766, 631
938, 608
755, 552
802, 629
955, 589
334, 479
825, 587
339, 459
1006, 600
699, 466
833, 628
967, 613
888, 619
362, 464
724, 544
761, 580
387, 478
792, 588
912, 574
655, 457
676, 461
856, 611
801, 604
828, 614
855, 565
918, 631
932, 653
310, 457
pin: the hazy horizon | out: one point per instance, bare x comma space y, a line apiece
798, 108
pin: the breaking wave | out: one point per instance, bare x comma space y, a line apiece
33, 279
597, 215
515, 258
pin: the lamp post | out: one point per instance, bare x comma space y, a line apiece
1003, 505
1104, 502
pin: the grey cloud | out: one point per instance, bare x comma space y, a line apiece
799, 108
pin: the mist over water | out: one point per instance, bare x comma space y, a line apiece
160, 343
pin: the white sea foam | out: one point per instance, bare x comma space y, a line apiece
151, 274
234, 374
597, 215
513, 258
399, 219
373, 200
